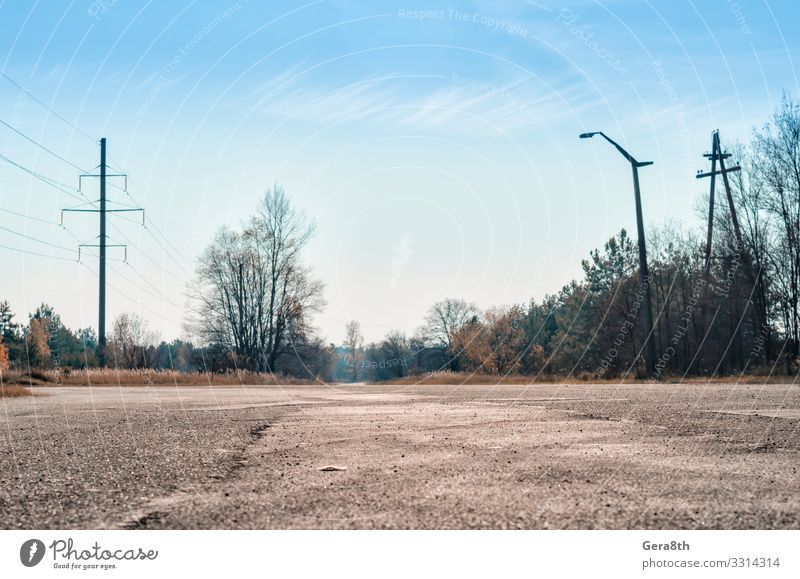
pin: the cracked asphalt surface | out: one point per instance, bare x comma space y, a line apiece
511, 456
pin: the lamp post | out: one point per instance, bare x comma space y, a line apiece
644, 273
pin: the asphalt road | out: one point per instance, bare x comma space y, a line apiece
542, 456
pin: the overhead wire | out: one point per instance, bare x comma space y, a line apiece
31, 238
38, 144
66, 189
63, 187
49, 109
28, 252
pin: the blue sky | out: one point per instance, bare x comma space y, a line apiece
434, 143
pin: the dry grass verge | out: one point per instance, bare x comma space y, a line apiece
14, 391
454, 378
469, 378
111, 377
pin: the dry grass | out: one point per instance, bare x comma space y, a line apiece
454, 378
469, 378
18, 381
14, 391
111, 377
743, 379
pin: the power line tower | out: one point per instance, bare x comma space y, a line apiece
102, 242
717, 155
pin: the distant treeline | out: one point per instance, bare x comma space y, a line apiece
45, 342
739, 316
253, 300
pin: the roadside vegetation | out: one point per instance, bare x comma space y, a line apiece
14, 391
457, 378
121, 377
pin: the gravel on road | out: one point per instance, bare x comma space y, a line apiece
377, 456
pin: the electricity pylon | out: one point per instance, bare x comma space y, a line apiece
103, 244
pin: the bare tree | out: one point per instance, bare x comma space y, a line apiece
396, 351
749, 197
353, 341
253, 296
445, 319
132, 342
777, 148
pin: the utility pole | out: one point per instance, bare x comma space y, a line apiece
718, 155
644, 272
713, 175
715, 155
102, 244
101, 317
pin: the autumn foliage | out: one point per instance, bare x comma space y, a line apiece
4, 361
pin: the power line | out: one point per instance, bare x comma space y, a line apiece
27, 138
155, 226
129, 220
158, 295
173, 247
84, 204
36, 239
45, 221
139, 305
29, 217
64, 188
54, 113
89, 253
147, 256
25, 251
161, 245
123, 204
103, 244
167, 252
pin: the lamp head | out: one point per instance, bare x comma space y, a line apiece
587, 135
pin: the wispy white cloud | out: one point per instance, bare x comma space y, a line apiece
450, 102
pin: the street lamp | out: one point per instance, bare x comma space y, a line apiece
644, 274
